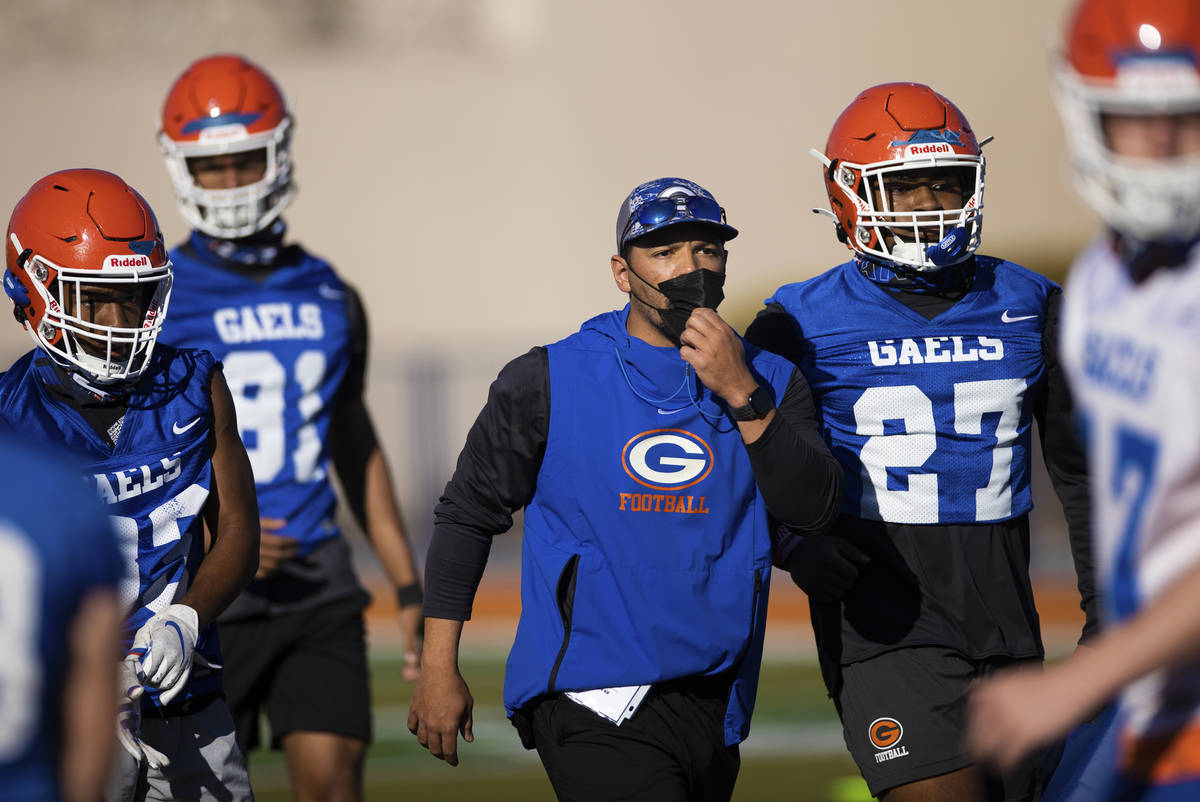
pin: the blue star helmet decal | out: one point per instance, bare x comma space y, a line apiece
232, 118
927, 135
145, 247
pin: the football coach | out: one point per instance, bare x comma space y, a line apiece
650, 451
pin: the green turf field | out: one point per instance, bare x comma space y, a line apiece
794, 752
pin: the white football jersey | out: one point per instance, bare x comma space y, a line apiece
1132, 354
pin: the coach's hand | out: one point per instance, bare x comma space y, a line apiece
441, 702
274, 549
825, 567
715, 352
440, 710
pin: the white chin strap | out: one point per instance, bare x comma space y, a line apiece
912, 255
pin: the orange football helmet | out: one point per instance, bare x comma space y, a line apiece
894, 128
226, 104
76, 229
1132, 57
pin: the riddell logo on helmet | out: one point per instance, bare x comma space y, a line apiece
928, 149
127, 261
219, 132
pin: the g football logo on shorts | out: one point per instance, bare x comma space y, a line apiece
667, 459
885, 732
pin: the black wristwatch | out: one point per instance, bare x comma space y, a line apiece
757, 406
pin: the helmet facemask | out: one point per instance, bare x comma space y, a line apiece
106, 354
912, 238
239, 211
1149, 199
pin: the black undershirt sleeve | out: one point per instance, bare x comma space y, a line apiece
356, 376
495, 476
774, 330
1066, 463
352, 435
799, 479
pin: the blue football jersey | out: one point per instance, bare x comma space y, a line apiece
56, 546
930, 419
284, 339
153, 483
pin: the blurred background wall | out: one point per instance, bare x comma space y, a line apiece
461, 161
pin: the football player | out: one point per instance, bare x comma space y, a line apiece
293, 339
928, 364
153, 432
1128, 88
59, 630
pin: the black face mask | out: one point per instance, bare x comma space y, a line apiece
698, 289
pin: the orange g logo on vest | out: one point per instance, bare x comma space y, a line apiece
665, 460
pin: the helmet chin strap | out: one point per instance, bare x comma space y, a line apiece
75, 382
906, 252
952, 249
261, 249
894, 274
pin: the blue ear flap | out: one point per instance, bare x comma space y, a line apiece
12, 287
15, 290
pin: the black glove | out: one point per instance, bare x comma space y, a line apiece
825, 567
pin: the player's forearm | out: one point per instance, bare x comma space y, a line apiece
231, 514
226, 569
383, 526
90, 702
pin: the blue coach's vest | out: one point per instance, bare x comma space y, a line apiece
55, 548
646, 552
154, 483
930, 419
284, 341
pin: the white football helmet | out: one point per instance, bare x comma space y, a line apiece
1132, 57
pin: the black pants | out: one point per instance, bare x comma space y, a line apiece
671, 750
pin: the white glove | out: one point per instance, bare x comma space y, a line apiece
129, 715
166, 643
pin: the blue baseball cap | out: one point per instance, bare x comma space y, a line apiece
666, 201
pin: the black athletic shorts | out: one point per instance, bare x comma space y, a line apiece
307, 670
904, 718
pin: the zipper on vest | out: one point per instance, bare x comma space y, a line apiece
753, 626
565, 595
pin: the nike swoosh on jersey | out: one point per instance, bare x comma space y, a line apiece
671, 411
175, 427
332, 293
1005, 318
